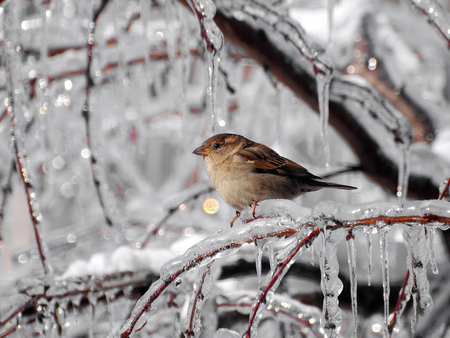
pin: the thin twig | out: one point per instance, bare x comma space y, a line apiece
6, 192
198, 295
86, 107
276, 275
401, 297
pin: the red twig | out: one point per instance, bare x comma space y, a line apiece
7, 332
4, 114
209, 46
427, 218
446, 192
198, 295
401, 297
280, 269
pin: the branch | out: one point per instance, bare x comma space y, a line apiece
86, 108
227, 242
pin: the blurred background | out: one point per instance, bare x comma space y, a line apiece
104, 102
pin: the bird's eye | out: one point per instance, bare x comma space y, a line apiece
216, 145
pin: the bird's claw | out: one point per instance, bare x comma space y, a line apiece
238, 214
255, 203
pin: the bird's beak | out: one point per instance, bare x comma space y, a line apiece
202, 151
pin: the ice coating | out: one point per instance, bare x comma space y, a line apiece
354, 88
384, 240
225, 333
435, 14
418, 256
323, 90
431, 232
403, 173
205, 11
211, 90
369, 254
351, 255
219, 245
285, 27
330, 283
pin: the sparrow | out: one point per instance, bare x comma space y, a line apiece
246, 172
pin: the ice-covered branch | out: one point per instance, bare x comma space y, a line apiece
274, 278
68, 291
172, 205
284, 308
16, 104
218, 245
436, 15
334, 216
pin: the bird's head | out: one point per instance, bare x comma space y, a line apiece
221, 146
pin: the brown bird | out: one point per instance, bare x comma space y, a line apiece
246, 172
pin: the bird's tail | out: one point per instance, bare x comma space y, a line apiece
337, 186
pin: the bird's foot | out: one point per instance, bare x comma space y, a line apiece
238, 214
255, 203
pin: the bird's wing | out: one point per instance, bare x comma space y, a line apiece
267, 161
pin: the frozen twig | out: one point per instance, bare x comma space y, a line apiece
436, 15
12, 65
279, 272
287, 310
401, 304
189, 194
86, 108
197, 304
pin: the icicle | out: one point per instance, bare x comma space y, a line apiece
323, 90
369, 255
431, 232
311, 249
330, 284
211, 89
418, 257
258, 259
403, 174
351, 255
272, 260
383, 233
414, 314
